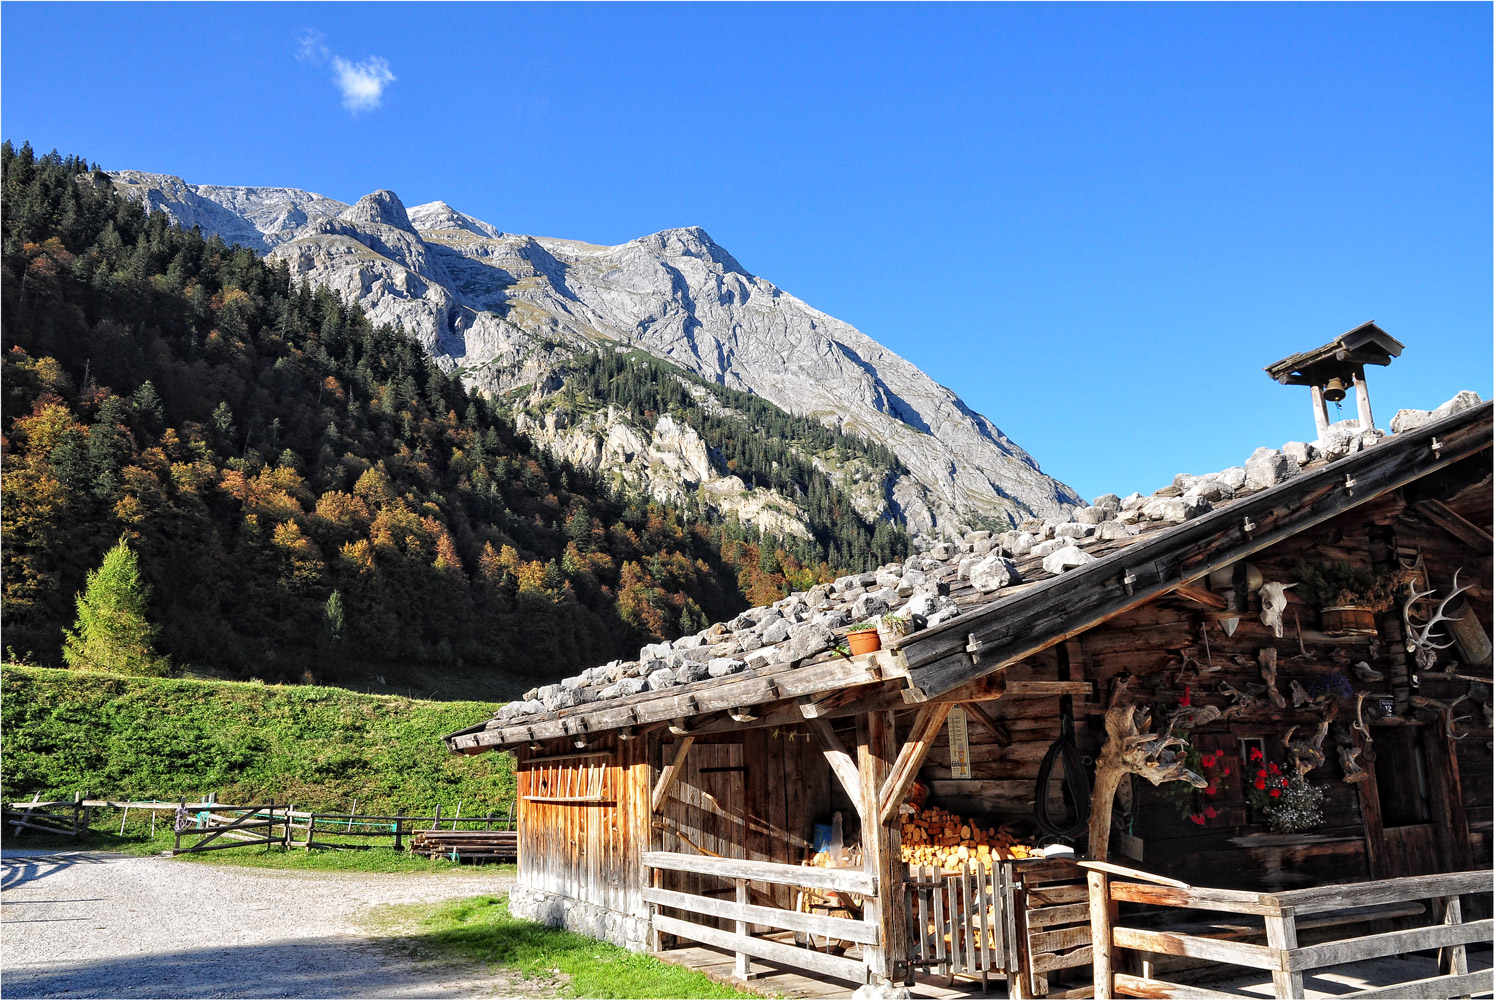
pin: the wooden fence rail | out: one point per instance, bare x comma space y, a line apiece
1281, 955
744, 940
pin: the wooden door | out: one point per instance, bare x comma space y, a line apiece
1412, 803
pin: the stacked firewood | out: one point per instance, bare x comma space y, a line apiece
935, 836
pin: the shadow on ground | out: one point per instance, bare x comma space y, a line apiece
19, 868
321, 967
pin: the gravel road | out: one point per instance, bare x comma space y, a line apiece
90, 924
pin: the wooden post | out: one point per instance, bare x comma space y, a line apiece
1452, 961
176, 826
288, 842
1361, 396
310, 831
666, 780
1281, 936
743, 969
436, 825
1101, 940
270, 829
399, 821
876, 751
1319, 411
77, 814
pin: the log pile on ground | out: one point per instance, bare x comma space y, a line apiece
935, 836
468, 845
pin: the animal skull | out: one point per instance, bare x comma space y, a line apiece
1273, 603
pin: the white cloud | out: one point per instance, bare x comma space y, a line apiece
362, 84
312, 50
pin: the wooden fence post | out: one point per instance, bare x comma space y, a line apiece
1281, 936
437, 824
743, 970
270, 829
287, 842
310, 831
1101, 938
399, 821
176, 825
77, 814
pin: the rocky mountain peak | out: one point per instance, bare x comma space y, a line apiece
438, 215
689, 241
383, 207
505, 310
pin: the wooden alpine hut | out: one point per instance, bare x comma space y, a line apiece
1295, 651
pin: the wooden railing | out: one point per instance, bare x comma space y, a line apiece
746, 915
1281, 956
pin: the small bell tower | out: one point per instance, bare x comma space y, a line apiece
1335, 366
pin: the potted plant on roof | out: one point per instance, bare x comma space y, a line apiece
863, 638
1348, 596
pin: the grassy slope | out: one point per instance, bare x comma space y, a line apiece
321, 748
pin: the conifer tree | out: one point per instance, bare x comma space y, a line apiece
112, 632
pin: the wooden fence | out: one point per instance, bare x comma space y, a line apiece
1022, 920
60, 817
1281, 914
754, 927
211, 826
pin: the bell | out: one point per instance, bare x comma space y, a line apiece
1335, 390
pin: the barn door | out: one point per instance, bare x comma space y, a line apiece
1413, 807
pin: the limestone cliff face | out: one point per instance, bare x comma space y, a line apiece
503, 309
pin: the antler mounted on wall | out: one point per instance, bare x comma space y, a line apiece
1419, 634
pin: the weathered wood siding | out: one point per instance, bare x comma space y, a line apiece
586, 851
755, 794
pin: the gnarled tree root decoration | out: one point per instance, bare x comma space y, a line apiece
1131, 748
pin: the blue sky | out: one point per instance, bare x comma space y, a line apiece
1094, 223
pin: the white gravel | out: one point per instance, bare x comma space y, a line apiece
89, 924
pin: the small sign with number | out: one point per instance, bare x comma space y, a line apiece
959, 744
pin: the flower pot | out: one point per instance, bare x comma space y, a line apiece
864, 642
1349, 620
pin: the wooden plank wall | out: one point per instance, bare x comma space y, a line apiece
1442, 554
588, 851
764, 812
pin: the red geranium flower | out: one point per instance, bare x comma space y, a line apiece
1197, 818
1211, 790
1260, 784
1255, 753
1276, 793
1210, 812
1275, 769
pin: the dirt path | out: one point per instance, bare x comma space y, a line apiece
87, 924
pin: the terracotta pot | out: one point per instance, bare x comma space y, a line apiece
1349, 620
864, 642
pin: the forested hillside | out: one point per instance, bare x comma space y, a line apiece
307, 494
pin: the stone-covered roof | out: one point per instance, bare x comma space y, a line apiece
946, 579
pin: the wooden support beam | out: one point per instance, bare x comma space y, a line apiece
910, 759
989, 722
876, 748
1202, 595
840, 762
1456, 525
672, 772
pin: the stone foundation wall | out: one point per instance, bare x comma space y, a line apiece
553, 910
